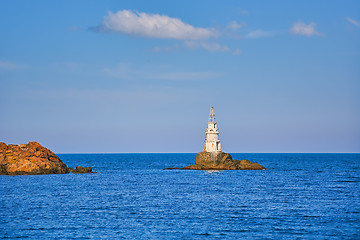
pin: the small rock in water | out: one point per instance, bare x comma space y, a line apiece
80, 169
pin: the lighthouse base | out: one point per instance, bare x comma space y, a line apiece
221, 161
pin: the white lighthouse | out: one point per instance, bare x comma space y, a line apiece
212, 142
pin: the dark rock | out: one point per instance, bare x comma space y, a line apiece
221, 161
171, 168
80, 169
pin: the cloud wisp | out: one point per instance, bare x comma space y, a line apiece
308, 30
193, 45
209, 46
234, 25
153, 26
6, 65
353, 21
258, 34
240, 30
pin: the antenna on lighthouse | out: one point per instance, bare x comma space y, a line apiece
212, 117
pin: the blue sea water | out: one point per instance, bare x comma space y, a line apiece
299, 196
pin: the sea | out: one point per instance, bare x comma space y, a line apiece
299, 196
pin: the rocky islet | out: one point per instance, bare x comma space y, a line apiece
33, 159
220, 161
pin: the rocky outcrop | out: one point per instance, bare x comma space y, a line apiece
31, 158
221, 161
80, 169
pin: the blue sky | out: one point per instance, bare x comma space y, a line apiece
141, 76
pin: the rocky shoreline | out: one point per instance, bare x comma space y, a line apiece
33, 159
220, 161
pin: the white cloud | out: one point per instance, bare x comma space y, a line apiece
354, 22
235, 25
301, 28
258, 34
209, 46
152, 25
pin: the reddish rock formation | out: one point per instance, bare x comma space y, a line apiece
221, 161
80, 169
31, 158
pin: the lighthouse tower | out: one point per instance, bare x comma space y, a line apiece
212, 142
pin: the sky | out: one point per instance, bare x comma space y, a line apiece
140, 76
